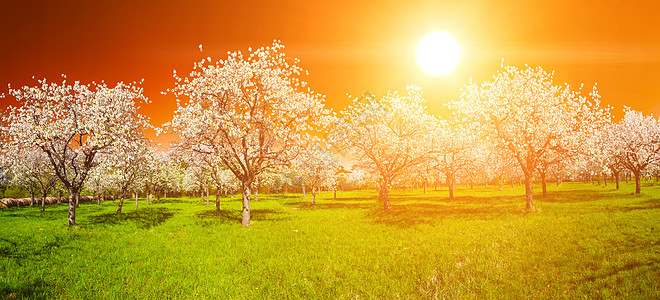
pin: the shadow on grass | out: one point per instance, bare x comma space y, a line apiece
32, 289
617, 270
407, 215
578, 196
27, 249
234, 216
144, 218
649, 204
21, 212
169, 200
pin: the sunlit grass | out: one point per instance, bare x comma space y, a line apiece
585, 241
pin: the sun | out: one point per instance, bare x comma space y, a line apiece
438, 53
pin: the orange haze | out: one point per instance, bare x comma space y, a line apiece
348, 46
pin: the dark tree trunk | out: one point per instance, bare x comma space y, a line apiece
147, 189
43, 199
246, 205
529, 193
638, 183
385, 195
121, 204
313, 196
616, 179
605, 178
543, 184
72, 208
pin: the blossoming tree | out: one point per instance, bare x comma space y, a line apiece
637, 143
527, 116
252, 112
72, 123
385, 135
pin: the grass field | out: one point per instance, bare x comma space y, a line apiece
585, 241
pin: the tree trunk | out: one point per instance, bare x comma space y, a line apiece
638, 183
424, 187
451, 183
543, 184
72, 208
529, 193
217, 199
147, 189
558, 180
246, 204
335, 193
313, 196
256, 194
78, 200
136, 200
616, 179
98, 198
207, 196
43, 199
303, 191
121, 204
385, 195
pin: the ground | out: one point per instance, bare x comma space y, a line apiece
584, 241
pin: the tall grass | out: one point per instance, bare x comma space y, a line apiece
585, 241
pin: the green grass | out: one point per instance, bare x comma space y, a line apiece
586, 241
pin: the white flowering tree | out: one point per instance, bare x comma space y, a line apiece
72, 123
128, 168
636, 143
252, 112
99, 178
318, 168
454, 152
607, 152
527, 116
385, 135
31, 168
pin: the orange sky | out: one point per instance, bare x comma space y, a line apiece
348, 46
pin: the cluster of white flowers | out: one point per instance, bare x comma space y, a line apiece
73, 124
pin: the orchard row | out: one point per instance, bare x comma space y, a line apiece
249, 122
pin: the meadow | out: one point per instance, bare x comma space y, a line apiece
585, 241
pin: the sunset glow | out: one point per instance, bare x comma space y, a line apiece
438, 53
